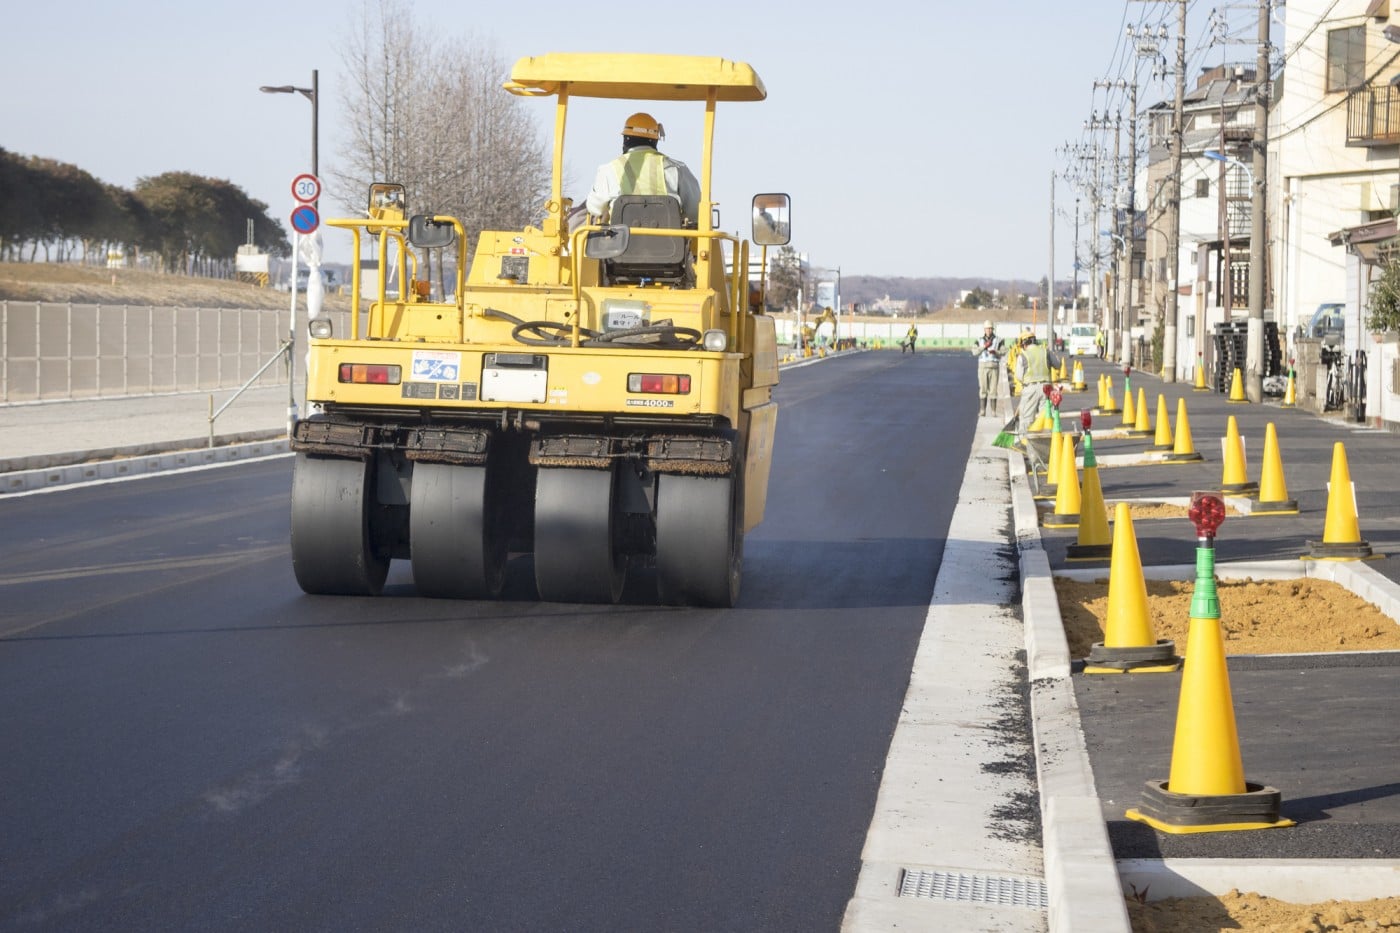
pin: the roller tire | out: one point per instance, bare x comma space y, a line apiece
699, 541
456, 541
332, 539
577, 559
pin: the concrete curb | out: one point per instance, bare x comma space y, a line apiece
124, 467
1081, 877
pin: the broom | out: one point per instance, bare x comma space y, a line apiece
1007, 437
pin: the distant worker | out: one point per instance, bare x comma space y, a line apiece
642, 170
911, 338
988, 350
1034, 365
1099, 342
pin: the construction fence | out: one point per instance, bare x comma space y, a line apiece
51, 351
890, 333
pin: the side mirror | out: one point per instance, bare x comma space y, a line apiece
771, 216
386, 201
425, 233
606, 242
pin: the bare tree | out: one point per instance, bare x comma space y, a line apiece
430, 113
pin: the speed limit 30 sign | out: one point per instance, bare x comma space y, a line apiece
306, 188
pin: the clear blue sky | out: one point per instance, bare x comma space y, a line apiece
916, 138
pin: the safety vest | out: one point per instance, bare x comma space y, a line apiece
641, 171
1037, 364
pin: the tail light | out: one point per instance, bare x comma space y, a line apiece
658, 383
370, 373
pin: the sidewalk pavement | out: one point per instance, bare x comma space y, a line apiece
1098, 739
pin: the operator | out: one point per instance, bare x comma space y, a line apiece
910, 339
642, 170
988, 350
1033, 368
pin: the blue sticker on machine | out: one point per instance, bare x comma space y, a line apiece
437, 365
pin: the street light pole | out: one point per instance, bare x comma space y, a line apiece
312, 94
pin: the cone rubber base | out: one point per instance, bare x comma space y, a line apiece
1200, 388
1256, 808
1089, 552
1235, 489
1277, 507
1061, 521
1142, 659
1353, 550
1183, 458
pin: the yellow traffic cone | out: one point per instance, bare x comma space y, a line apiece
1128, 643
1183, 451
1129, 409
1077, 382
1141, 427
1103, 393
1094, 542
1237, 389
1206, 790
1109, 404
1232, 476
1290, 396
1064, 371
1066, 514
1273, 491
1200, 385
1341, 536
1163, 438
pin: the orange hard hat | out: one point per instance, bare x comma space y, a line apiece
643, 125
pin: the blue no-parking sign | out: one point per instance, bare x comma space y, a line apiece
305, 219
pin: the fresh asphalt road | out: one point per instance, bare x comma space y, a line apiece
192, 743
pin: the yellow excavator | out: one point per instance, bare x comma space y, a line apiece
810, 329
596, 399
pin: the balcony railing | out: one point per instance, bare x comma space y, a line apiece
1373, 116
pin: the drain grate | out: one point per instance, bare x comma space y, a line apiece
998, 890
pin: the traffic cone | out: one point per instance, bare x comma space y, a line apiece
1206, 790
1047, 489
1103, 393
1183, 450
1232, 475
1237, 389
1077, 382
1141, 427
1064, 371
1128, 643
1109, 404
1273, 491
1067, 498
1094, 542
1341, 536
1200, 385
1129, 409
1163, 438
1290, 396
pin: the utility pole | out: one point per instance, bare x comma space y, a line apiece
1258, 248
1050, 282
1130, 234
1174, 202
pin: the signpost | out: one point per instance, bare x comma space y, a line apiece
305, 218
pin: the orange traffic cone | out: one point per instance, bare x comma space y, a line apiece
1163, 438
1236, 389
1341, 536
1232, 477
1128, 643
1183, 450
1206, 790
1094, 541
1067, 497
1273, 491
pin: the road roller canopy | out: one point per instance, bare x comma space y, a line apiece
635, 76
